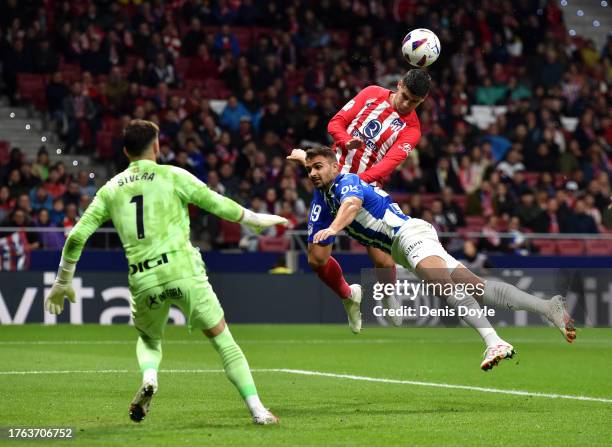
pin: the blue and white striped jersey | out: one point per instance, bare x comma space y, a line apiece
377, 221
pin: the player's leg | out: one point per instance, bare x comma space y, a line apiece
436, 270
150, 316
501, 295
384, 268
329, 271
417, 247
201, 306
237, 370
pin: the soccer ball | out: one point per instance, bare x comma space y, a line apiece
421, 47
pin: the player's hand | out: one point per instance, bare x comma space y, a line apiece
260, 221
298, 155
55, 300
323, 234
353, 143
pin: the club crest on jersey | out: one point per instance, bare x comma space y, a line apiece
397, 124
372, 129
406, 147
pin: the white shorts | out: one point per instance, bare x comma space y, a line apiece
417, 240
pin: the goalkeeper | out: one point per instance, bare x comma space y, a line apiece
148, 206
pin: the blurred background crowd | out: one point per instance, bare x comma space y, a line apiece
282, 69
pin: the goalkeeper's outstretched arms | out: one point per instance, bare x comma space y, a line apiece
95, 215
192, 190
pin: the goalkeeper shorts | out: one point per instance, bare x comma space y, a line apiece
194, 296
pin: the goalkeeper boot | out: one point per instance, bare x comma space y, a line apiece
560, 317
265, 418
352, 305
496, 353
142, 401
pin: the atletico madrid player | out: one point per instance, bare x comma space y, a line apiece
373, 133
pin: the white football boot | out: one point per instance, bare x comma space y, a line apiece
560, 317
352, 305
494, 354
266, 418
392, 302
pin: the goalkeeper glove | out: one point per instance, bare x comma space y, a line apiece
259, 221
61, 287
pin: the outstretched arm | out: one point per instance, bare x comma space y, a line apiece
95, 215
346, 214
192, 190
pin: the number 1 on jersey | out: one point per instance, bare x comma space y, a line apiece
139, 201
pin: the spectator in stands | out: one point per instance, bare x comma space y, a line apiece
56, 93
195, 159
54, 184
193, 39
580, 221
162, 71
72, 194
225, 40
232, 113
7, 203
57, 212
452, 212
40, 198
203, 65
86, 186
473, 259
45, 59
116, 90
139, 74
15, 184
80, 111
49, 240
511, 164
530, 214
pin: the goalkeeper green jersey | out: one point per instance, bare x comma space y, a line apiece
148, 205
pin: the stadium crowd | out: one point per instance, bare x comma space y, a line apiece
285, 68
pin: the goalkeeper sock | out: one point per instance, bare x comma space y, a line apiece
331, 274
149, 353
506, 296
478, 322
237, 369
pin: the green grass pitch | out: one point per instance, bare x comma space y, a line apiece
100, 376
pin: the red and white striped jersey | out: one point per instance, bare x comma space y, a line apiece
388, 137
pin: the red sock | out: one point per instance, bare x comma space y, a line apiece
331, 274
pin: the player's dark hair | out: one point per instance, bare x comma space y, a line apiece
138, 136
417, 81
322, 151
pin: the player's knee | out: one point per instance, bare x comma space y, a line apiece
316, 261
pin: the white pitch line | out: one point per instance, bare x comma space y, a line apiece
335, 376
202, 340
446, 385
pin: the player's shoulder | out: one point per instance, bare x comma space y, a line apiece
346, 179
375, 91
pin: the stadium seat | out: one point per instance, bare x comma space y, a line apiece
571, 247
32, 88
181, 65
274, 243
104, 145
599, 247
532, 178
475, 222
545, 247
229, 233
5, 148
